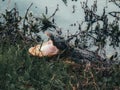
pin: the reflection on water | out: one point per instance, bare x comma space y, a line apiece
64, 17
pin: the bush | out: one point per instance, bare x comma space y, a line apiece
20, 71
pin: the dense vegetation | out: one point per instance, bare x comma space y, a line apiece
21, 71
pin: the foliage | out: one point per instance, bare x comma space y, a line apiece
20, 71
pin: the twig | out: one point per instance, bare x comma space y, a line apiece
114, 14
54, 12
116, 4
26, 17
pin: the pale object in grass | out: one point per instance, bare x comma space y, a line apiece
46, 49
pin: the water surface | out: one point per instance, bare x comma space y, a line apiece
64, 17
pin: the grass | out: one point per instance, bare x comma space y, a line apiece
20, 71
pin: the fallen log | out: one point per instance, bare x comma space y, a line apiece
76, 54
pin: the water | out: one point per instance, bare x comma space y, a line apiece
64, 17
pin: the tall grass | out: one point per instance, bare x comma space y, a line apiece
20, 71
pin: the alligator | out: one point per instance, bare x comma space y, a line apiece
77, 54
